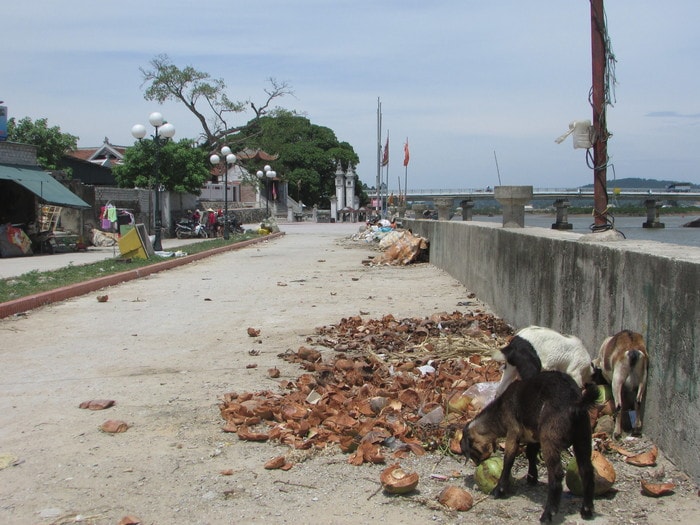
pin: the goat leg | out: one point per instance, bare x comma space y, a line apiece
531, 451
637, 404
617, 390
555, 476
511, 451
582, 453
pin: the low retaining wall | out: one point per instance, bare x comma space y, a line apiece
592, 290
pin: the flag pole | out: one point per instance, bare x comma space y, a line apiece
406, 157
386, 190
379, 154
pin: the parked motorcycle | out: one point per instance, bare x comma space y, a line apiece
234, 225
186, 229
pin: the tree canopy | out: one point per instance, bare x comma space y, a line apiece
205, 97
50, 142
308, 153
183, 167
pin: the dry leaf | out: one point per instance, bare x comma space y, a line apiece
114, 426
97, 404
252, 332
656, 490
645, 459
620, 450
102, 298
276, 463
129, 520
273, 372
245, 434
227, 472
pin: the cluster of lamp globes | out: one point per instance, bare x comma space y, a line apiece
163, 129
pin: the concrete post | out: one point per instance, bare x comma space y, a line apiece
513, 200
335, 212
418, 209
467, 209
444, 207
562, 206
653, 207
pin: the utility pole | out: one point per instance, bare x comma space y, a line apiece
598, 100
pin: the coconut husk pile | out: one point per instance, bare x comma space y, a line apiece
387, 390
405, 249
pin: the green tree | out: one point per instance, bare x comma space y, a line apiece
205, 97
50, 142
308, 154
183, 167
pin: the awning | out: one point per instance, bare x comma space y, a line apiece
43, 185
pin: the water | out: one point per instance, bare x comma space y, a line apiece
631, 227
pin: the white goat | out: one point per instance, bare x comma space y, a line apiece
565, 353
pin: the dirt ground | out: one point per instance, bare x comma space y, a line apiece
168, 347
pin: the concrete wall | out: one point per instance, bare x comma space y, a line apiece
593, 289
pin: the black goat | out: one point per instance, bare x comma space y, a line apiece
546, 411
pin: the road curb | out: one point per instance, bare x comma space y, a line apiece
30, 302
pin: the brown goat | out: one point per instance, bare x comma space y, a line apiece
547, 412
623, 362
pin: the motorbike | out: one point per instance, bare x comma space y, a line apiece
234, 225
186, 229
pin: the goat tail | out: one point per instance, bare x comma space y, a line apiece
633, 357
589, 397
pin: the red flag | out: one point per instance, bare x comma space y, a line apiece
385, 158
406, 155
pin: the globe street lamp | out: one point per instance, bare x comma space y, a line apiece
268, 174
163, 132
229, 159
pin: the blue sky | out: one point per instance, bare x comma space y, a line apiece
461, 79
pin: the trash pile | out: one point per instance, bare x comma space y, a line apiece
103, 239
268, 226
393, 387
399, 247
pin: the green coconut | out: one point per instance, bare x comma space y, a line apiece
488, 473
604, 475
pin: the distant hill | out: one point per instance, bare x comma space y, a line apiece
632, 182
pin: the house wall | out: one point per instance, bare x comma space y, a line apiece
19, 154
592, 290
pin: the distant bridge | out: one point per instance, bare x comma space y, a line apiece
445, 199
554, 194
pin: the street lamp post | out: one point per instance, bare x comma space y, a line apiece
228, 158
163, 132
268, 174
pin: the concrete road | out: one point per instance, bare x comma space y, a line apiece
166, 348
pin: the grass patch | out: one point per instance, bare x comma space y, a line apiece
36, 282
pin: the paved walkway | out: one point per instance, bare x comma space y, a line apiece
15, 266
167, 347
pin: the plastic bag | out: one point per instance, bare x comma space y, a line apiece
482, 393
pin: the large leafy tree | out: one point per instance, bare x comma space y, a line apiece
308, 153
50, 142
205, 97
183, 167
